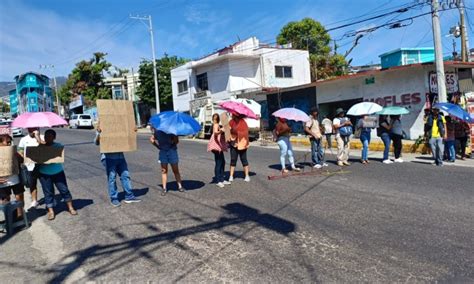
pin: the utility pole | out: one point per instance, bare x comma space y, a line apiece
155, 76
464, 37
135, 104
51, 66
442, 97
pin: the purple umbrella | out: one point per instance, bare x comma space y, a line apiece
291, 113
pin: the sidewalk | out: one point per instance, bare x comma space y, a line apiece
374, 155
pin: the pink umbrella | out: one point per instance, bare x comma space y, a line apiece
238, 108
291, 113
38, 119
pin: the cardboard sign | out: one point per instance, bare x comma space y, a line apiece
117, 122
8, 161
226, 126
44, 155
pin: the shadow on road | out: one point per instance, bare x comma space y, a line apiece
116, 255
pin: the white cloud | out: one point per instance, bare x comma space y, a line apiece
30, 37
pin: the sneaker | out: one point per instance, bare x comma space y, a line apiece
247, 179
115, 203
387, 161
231, 179
34, 204
317, 166
296, 169
220, 184
226, 182
346, 163
399, 160
340, 164
325, 165
132, 200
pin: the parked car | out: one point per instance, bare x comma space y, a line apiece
16, 131
81, 120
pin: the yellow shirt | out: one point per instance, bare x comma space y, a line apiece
435, 130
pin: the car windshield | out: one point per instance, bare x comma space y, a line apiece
85, 117
4, 123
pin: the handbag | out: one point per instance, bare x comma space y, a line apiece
217, 143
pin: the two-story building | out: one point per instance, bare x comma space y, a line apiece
32, 94
246, 66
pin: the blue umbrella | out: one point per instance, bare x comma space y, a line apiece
176, 123
455, 110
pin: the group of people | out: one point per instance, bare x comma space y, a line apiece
49, 175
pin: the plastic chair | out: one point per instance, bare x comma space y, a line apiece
9, 211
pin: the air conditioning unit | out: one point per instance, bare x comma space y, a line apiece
202, 94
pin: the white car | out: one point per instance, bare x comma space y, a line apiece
16, 131
81, 120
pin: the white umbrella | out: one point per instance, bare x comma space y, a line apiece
364, 108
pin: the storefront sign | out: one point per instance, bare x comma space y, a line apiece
398, 100
451, 82
77, 101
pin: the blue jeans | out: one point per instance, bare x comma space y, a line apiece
48, 182
219, 168
386, 142
451, 148
437, 148
119, 167
317, 151
365, 139
285, 149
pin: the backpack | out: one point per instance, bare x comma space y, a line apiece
345, 130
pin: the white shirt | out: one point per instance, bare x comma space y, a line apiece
25, 142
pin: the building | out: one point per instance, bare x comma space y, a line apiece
246, 66
407, 56
32, 94
412, 86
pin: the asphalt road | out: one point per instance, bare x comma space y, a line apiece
378, 223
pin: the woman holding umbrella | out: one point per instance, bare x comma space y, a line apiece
218, 146
239, 143
282, 131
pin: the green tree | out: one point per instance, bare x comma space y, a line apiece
87, 79
311, 35
146, 90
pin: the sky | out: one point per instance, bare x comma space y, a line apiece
62, 33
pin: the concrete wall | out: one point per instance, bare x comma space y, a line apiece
405, 87
297, 59
244, 74
181, 100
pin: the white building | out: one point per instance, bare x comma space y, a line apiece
245, 66
123, 87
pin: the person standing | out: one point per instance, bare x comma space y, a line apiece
115, 164
328, 131
384, 133
53, 175
461, 133
450, 140
436, 124
218, 146
168, 154
239, 143
312, 128
364, 138
33, 173
396, 134
11, 184
283, 131
343, 127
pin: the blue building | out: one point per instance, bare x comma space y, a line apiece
407, 56
32, 94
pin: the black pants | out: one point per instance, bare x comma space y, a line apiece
397, 144
219, 168
234, 154
462, 146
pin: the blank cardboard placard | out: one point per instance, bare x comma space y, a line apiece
45, 154
8, 161
117, 122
